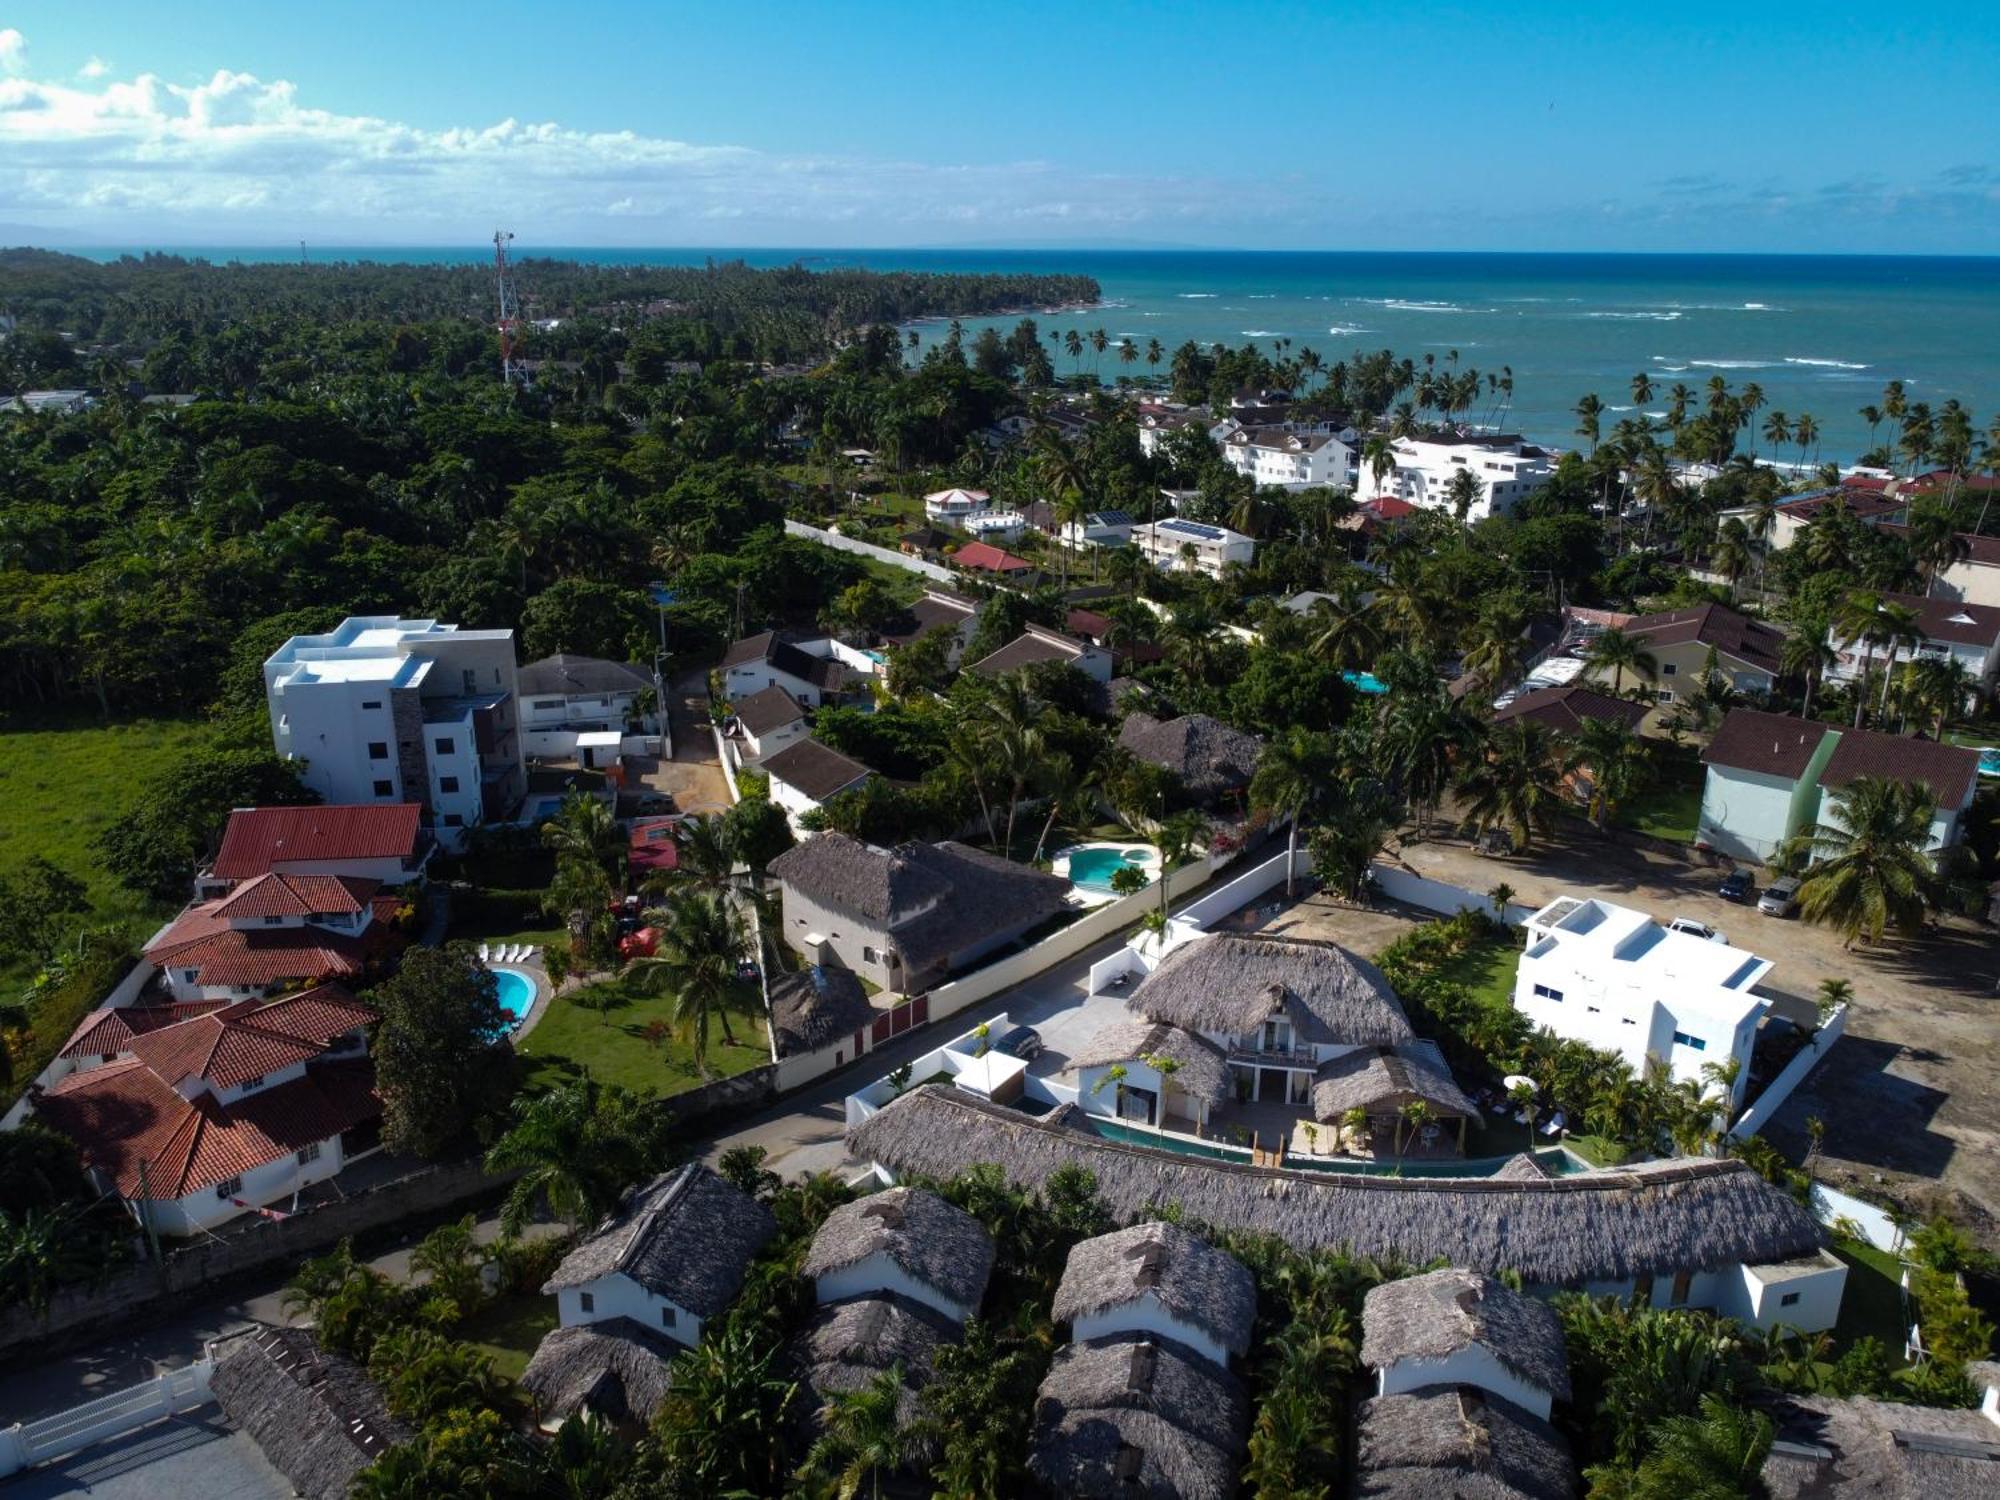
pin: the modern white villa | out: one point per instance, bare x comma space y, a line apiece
816, 671
1509, 470
1951, 630
1616, 979
563, 697
385, 709
1177, 545
1292, 460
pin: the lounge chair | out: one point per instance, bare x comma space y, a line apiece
482, 953
514, 952
528, 952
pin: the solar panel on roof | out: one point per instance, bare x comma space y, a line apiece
1193, 528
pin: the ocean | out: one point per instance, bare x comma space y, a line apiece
1819, 334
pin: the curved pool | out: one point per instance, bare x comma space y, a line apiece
1092, 867
517, 994
1366, 682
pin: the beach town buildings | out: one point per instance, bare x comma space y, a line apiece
1292, 460
1178, 545
762, 723
1508, 468
1971, 579
1211, 761
563, 697
1832, 1445
197, 1114
274, 933
814, 671
1948, 630
1616, 979
382, 842
1771, 776
314, 1414
806, 775
907, 917
384, 709
1040, 643
1679, 641
954, 505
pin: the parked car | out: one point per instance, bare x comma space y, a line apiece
1780, 898
1023, 1042
654, 803
1694, 928
1736, 886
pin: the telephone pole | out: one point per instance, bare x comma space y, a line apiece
510, 307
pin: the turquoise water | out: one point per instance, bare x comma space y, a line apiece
517, 994
1989, 762
1093, 868
1819, 333
1558, 1162
1367, 682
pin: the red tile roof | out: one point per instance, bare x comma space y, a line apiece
202, 940
258, 839
107, 1032
1772, 744
1951, 619
1565, 708
1950, 771
1749, 641
124, 1115
986, 558
1389, 508
281, 895
251, 1039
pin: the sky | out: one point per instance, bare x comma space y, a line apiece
1539, 125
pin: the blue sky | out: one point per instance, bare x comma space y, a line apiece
1781, 127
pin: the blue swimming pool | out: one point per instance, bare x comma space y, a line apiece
517, 994
1367, 682
1989, 761
1093, 868
1556, 1161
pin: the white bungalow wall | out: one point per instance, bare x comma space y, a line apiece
268, 1186
877, 1273
1472, 1365
1144, 1314
619, 1296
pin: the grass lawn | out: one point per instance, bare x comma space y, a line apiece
508, 1329
1666, 811
503, 917
1872, 1304
1486, 969
615, 1049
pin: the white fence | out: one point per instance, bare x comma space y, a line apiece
122, 994
1413, 889
728, 765
26, 1444
958, 1056
860, 548
1830, 1205
1758, 1115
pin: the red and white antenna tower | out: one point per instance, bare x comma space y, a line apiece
510, 307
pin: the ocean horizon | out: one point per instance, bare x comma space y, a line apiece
1821, 334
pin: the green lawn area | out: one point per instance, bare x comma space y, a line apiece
503, 917
1671, 807
615, 1049
508, 1329
1872, 1304
1486, 969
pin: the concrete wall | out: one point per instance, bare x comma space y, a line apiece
1758, 1115
1472, 1365
1413, 889
26, 1444
1747, 814
860, 548
1876, 1224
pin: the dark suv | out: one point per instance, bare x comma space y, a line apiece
1736, 886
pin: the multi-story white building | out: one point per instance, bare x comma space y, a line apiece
1953, 630
1616, 979
1292, 460
1192, 545
565, 696
383, 709
1509, 470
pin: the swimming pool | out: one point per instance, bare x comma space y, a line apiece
1555, 1160
517, 995
1093, 867
1366, 682
1989, 761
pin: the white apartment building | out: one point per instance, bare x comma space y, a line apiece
1616, 979
384, 709
1166, 545
1292, 460
1509, 470
1953, 630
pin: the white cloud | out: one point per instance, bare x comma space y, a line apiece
13, 50
97, 67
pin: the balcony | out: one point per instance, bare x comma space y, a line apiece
1273, 1057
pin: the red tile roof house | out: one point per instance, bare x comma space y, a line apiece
383, 842
198, 1120
275, 933
984, 557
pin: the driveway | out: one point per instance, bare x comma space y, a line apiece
1907, 1096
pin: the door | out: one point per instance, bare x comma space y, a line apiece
1271, 1085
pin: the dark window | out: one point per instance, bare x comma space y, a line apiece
1790, 1299
453, 820
1642, 1292
229, 1187
447, 783
668, 1317
309, 1153
253, 1083
1682, 1280
385, 788
378, 749
1548, 994
446, 746
587, 1302
371, 702
1681, 1038
274, 921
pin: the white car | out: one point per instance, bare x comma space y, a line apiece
1698, 929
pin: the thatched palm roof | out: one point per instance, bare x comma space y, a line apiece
815, 1007
1234, 982
618, 1368
1653, 1219
1207, 755
317, 1417
1456, 1443
848, 1344
1193, 1281
1383, 1079
1436, 1315
1201, 1069
1880, 1449
686, 1236
1133, 1415
1523, 1166
943, 1247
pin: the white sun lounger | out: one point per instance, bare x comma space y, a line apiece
482, 953
513, 953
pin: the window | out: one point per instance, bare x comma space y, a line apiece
587, 1302
1668, 669
309, 1153
447, 783
1682, 1039
470, 678
1682, 1281
229, 1187
668, 1317
371, 702
1790, 1299
447, 746
453, 820
867, 954
385, 788
274, 921
253, 1083
378, 749
1543, 992
1664, 695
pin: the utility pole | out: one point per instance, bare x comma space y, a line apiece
510, 307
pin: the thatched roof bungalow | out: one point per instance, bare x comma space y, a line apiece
1232, 984
1457, 1443
1382, 1081
617, 1368
1455, 1327
1134, 1416
903, 1240
815, 1007
1885, 1450
1210, 759
1194, 1080
847, 1345
316, 1416
1603, 1229
1161, 1280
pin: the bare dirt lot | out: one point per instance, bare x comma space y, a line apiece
1910, 1095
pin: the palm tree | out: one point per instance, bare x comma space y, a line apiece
1618, 763
701, 947
1872, 868
1295, 776
1589, 417
584, 830
703, 859
1732, 554
1615, 649
1177, 839
1719, 1452
1897, 625
1007, 734
1346, 631
1464, 490
862, 1437
1517, 784
1805, 654
1421, 736
570, 1154
1642, 389
1935, 540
